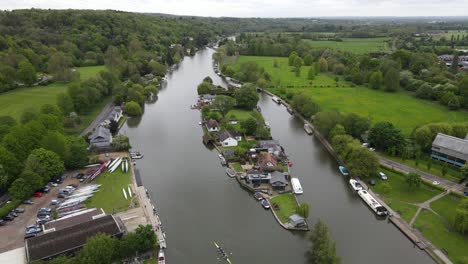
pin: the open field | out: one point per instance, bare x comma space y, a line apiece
448, 35
14, 102
406, 211
400, 190
240, 115
447, 206
355, 45
110, 196
436, 230
287, 206
378, 105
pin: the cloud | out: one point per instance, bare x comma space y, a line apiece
260, 8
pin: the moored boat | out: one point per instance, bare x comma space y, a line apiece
115, 165
308, 129
161, 257
136, 156
222, 254
372, 203
276, 100
355, 184
124, 193
265, 204
258, 196
290, 110
343, 171
296, 185
230, 172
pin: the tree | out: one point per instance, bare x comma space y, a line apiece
413, 180
454, 66
249, 125
29, 114
304, 105
77, 154
356, 125
323, 64
326, 121
157, 68
20, 189
11, 165
376, 80
60, 67
385, 135
45, 163
121, 143
56, 142
463, 87
463, 170
303, 210
204, 88
26, 73
99, 249
246, 97
65, 103
361, 161
308, 60
132, 108
113, 127
50, 109
338, 130
114, 60
311, 74
146, 238
342, 145
223, 104
292, 58
323, 249
392, 80
262, 132
461, 217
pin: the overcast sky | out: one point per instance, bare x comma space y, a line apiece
261, 8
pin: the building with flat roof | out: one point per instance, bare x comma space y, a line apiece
67, 240
450, 149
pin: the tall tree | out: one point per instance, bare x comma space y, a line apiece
323, 249
223, 104
454, 66
26, 73
99, 249
246, 97
60, 67
413, 180
461, 217
376, 80
392, 80
46, 163
385, 135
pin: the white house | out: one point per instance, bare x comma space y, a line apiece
116, 114
236, 135
226, 139
212, 125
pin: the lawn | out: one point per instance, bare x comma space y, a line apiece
406, 211
110, 196
287, 206
14, 102
355, 45
437, 231
378, 105
240, 115
447, 206
400, 190
237, 166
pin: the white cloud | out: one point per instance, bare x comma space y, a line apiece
260, 8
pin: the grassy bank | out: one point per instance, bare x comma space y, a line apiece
14, 102
376, 104
405, 210
287, 206
110, 196
355, 45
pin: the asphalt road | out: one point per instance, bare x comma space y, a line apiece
99, 118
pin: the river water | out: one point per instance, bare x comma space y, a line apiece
198, 204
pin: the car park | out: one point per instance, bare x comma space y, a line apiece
382, 176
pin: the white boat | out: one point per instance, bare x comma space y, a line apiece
355, 184
296, 185
308, 129
116, 165
372, 202
124, 193
126, 166
161, 257
123, 166
230, 172
129, 192
276, 100
112, 165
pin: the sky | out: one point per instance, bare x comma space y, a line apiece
259, 8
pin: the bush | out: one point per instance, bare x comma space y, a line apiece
6, 208
133, 109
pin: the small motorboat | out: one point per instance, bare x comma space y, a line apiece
265, 204
258, 196
355, 184
136, 156
230, 172
220, 156
308, 129
343, 171
161, 257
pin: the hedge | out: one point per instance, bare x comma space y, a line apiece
6, 209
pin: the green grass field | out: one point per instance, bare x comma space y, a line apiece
402, 109
240, 115
447, 206
406, 211
437, 231
400, 190
14, 102
355, 45
448, 35
110, 196
287, 206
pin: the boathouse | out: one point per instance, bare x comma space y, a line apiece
278, 181
297, 221
101, 137
69, 239
450, 149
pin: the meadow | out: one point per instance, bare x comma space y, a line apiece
401, 108
14, 102
354, 45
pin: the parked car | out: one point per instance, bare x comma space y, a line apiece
28, 202
29, 235
54, 202
436, 182
371, 182
34, 229
41, 221
2, 222
8, 217
45, 209
37, 194
382, 176
19, 210
53, 184
33, 226
61, 195
13, 213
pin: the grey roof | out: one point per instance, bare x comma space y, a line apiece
235, 133
452, 146
70, 221
296, 219
207, 96
100, 133
228, 153
223, 135
212, 123
278, 178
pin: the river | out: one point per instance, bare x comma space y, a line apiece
199, 204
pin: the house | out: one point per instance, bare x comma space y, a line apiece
206, 98
271, 146
101, 137
254, 176
235, 134
226, 139
450, 149
278, 181
267, 162
69, 239
212, 125
296, 220
116, 114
